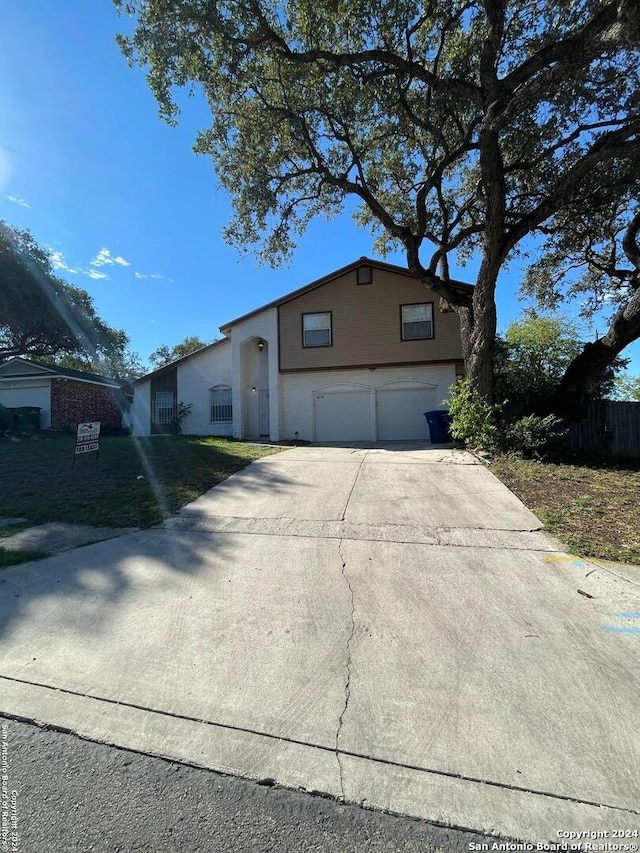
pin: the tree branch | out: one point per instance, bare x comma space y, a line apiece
622, 141
630, 242
583, 44
452, 85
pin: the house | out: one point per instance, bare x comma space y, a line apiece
358, 355
65, 397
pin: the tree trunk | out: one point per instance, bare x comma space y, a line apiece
479, 359
477, 314
477, 332
478, 325
585, 370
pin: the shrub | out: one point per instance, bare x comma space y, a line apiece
477, 423
183, 411
532, 436
473, 419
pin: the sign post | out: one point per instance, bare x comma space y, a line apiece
87, 439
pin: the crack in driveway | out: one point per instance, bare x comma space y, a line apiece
355, 480
347, 686
75, 730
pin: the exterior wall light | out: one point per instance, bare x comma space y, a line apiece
260, 345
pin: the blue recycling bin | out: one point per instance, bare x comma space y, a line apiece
439, 422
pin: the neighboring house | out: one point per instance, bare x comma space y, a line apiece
358, 355
65, 397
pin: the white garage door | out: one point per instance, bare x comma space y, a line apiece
30, 396
342, 416
401, 413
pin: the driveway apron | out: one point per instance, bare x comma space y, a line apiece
384, 625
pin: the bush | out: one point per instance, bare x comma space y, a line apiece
6, 419
183, 411
477, 423
532, 436
473, 420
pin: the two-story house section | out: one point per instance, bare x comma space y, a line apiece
358, 355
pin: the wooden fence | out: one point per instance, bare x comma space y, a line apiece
610, 429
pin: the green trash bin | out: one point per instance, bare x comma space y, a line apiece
27, 418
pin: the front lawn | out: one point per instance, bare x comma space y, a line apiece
39, 483
593, 509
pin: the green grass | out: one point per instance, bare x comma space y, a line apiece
12, 558
592, 508
13, 528
39, 483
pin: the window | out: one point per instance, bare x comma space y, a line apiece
364, 275
316, 330
417, 321
221, 410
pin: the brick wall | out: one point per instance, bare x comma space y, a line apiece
74, 402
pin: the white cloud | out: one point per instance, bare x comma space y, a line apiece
155, 275
104, 258
58, 262
16, 199
57, 259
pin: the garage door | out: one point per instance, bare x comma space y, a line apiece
30, 396
401, 413
342, 416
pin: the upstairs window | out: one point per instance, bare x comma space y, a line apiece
221, 410
316, 329
364, 275
417, 321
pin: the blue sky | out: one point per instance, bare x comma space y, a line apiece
132, 214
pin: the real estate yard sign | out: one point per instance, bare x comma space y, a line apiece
87, 439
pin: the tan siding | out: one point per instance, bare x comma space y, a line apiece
366, 325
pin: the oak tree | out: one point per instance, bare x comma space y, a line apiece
457, 126
42, 316
166, 354
120, 362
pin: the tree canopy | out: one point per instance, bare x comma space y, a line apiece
120, 362
626, 387
534, 353
165, 354
44, 317
459, 127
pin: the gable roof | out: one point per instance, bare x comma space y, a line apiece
319, 282
166, 368
52, 371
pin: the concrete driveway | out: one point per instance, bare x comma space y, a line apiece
385, 625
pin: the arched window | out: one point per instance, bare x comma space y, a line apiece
221, 410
